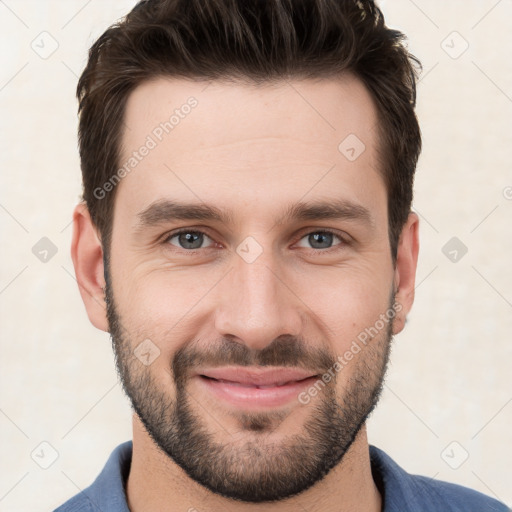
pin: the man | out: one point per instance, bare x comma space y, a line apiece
246, 237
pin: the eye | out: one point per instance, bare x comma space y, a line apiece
320, 240
189, 240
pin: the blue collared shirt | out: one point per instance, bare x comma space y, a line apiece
400, 491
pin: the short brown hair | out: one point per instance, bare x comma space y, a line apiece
255, 41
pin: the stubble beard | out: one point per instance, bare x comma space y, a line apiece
254, 469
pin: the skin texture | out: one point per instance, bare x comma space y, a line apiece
253, 152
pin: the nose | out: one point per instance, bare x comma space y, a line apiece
256, 304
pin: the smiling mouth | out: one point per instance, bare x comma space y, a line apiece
257, 386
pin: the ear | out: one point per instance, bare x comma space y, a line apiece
87, 255
405, 270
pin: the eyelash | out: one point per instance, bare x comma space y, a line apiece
343, 239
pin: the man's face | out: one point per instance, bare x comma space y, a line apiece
246, 239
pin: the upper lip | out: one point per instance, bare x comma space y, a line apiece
257, 376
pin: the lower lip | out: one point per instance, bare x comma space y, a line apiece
252, 397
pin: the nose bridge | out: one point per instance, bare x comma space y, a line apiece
255, 306
257, 288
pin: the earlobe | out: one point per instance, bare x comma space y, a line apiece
405, 270
87, 256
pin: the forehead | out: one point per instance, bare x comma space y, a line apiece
263, 144
225, 112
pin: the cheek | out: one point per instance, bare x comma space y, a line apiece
167, 306
346, 301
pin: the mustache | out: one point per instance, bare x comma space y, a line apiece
286, 350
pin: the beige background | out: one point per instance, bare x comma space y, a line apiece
450, 380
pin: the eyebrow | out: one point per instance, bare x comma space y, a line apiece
165, 210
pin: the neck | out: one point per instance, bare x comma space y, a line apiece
156, 483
